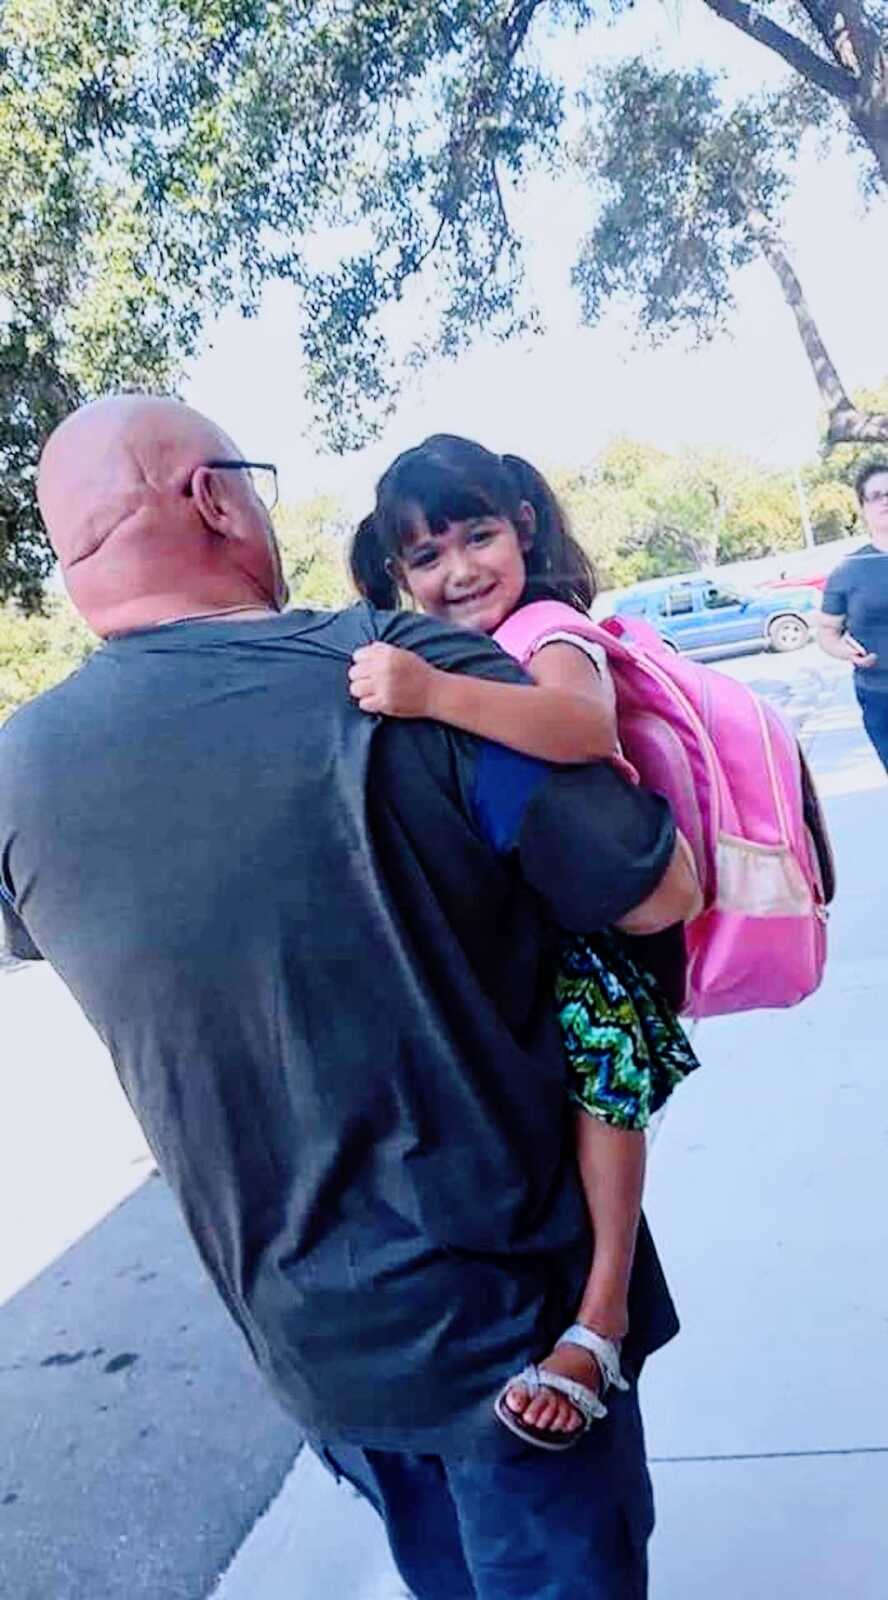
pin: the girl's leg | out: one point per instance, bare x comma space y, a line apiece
611, 1164
626, 1051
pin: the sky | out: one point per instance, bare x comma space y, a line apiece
558, 398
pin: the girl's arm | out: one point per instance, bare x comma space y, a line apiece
568, 716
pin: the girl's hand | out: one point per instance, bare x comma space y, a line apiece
396, 683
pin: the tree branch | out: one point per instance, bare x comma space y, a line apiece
851, 426
416, 265
518, 21
501, 204
800, 56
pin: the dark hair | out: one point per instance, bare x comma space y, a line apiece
447, 479
864, 475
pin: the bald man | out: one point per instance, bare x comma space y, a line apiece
318, 951
153, 519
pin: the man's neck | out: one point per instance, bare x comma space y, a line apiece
245, 613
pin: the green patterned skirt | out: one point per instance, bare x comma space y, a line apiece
625, 1046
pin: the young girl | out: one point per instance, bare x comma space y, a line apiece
470, 537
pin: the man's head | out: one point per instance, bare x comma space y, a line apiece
145, 530
871, 485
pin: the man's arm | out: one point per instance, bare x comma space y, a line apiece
677, 897
597, 850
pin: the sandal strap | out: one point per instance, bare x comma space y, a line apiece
605, 1351
580, 1395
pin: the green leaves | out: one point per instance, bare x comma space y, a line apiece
644, 513
164, 157
313, 536
36, 652
681, 175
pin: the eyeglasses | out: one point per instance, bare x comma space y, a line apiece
878, 498
263, 476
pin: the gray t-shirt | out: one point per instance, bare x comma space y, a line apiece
320, 952
858, 591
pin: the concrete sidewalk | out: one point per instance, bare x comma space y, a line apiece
768, 1418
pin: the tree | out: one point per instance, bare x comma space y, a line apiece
690, 204
761, 517
90, 300
840, 50
312, 535
645, 513
36, 652
832, 507
162, 160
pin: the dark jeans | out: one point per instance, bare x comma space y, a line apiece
874, 705
529, 1526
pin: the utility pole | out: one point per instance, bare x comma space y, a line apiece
803, 508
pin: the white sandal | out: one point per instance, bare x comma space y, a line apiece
586, 1400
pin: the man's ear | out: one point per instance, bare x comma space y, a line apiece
527, 525
208, 490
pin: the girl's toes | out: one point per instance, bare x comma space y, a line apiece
548, 1411
573, 1419
517, 1399
534, 1410
565, 1420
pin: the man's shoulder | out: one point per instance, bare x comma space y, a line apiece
346, 629
454, 649
33, 724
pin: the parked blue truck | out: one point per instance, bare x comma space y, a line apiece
699, 614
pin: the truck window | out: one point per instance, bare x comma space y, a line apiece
681, 601
716, 599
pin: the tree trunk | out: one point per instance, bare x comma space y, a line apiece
846, 423
872, 125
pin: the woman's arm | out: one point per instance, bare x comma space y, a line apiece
567, 717
832, 636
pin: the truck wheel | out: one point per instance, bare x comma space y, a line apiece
788, 633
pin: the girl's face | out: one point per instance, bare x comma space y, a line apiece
472, 575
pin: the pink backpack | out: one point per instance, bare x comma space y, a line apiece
741, 794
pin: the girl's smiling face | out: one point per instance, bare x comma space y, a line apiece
471, 574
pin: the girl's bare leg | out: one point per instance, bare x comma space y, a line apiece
612, 1173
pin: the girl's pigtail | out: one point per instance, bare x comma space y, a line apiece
370, 567
556, 564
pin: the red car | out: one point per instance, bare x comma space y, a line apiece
816, 582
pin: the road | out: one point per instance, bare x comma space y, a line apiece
141, 1459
